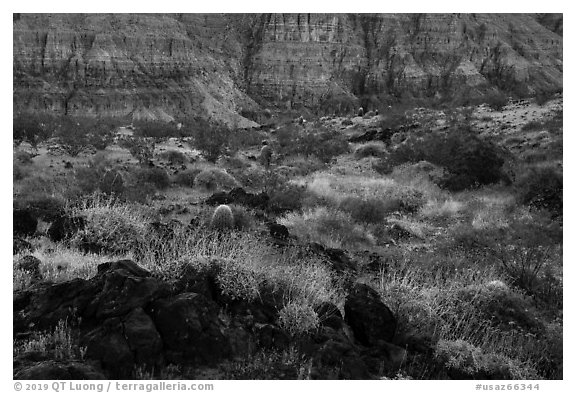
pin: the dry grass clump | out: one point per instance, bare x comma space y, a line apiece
247, 266
444, 211
330, 227
111, 226
59, 263
465, 361
58, 344
470, 303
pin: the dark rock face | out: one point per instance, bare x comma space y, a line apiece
370, 319
25, 222
130, 319
65, 227
118, 288
52, 369
108, 345
191, 329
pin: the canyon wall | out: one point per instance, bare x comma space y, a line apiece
216, 66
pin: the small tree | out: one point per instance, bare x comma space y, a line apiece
212, 140
140, 148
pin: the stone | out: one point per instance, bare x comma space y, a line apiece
368, 317
190, 328
142, 337
109, 346
278, 231
118, 288
24, 222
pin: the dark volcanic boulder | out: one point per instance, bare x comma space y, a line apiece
241, 197
118, 288
108, 345
338, 259
25, 222
143, 338
369, 318
125, 286
58, 370
278, 231
121, 343
65, 227
191, 329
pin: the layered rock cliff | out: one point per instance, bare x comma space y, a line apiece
167, 66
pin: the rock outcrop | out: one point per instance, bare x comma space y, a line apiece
217, 66
128, 320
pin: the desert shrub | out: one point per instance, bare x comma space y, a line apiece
541, 188
243, 219
88, 178
504, 308
71, 135
465, 361
322, 143
366, 210
100, 134
32, 128
298, 319
214, 178
332, 228
496, 101
173, 157
186, 178
141, 149
155, 176
111, 227
19, 172
237, 280
23, 157
245, 138
471, 161
543, 97
157, 129
303, 165
212, 140
223, 218
286, 196
138, 192
369, 150
394, 120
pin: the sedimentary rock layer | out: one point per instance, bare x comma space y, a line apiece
169, 66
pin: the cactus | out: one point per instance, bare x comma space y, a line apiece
222, 219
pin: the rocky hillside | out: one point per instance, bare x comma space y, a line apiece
166, 66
